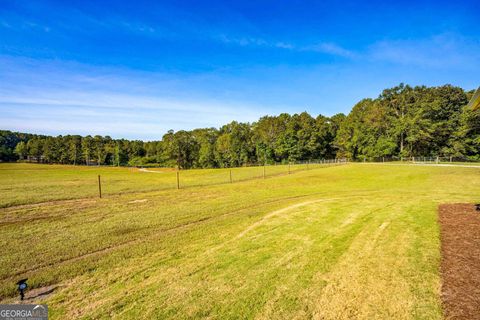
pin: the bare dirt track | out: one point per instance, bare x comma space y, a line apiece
460, 265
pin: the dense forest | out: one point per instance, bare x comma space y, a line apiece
403, 121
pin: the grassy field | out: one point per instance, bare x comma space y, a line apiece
33, 183
353, 241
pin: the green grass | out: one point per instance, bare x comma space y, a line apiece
462, 163
354, 241
33, 183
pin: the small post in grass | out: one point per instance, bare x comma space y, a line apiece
178, 180
231, 181
264, 171
289, 168
99, 187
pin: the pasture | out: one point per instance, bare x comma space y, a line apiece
332, 242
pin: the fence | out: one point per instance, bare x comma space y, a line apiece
430, 159
419, 159
205, 177
72, 182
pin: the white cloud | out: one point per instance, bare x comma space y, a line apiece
440, 51
243, 41
284, 45
324, 47
115, 114
332, 49
60, 99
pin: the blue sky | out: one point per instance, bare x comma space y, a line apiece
137, 69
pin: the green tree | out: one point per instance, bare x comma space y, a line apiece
35, 148
206, 139
21, 150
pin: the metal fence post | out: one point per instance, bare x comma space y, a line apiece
99, 187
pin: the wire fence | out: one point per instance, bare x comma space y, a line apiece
36, 183
73, 182
438, 160
423, 159
205, 177
171, 178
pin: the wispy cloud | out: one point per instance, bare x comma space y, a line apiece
5, 24
139, 120
440, 51
332, 49
92, 101
284, 45
242, 41
23, 24
329, 48
117, 114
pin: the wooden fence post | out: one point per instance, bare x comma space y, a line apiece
99, 187
178, 180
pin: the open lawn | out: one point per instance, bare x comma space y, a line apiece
352, 241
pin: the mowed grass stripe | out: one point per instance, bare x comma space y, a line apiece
128, 235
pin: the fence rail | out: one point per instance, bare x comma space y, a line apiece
421, 159
205, 177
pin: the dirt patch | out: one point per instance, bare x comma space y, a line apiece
36, 295
157, 171
42, 293
138, 201
58, 203
460, 264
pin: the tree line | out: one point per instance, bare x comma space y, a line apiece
403, 121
